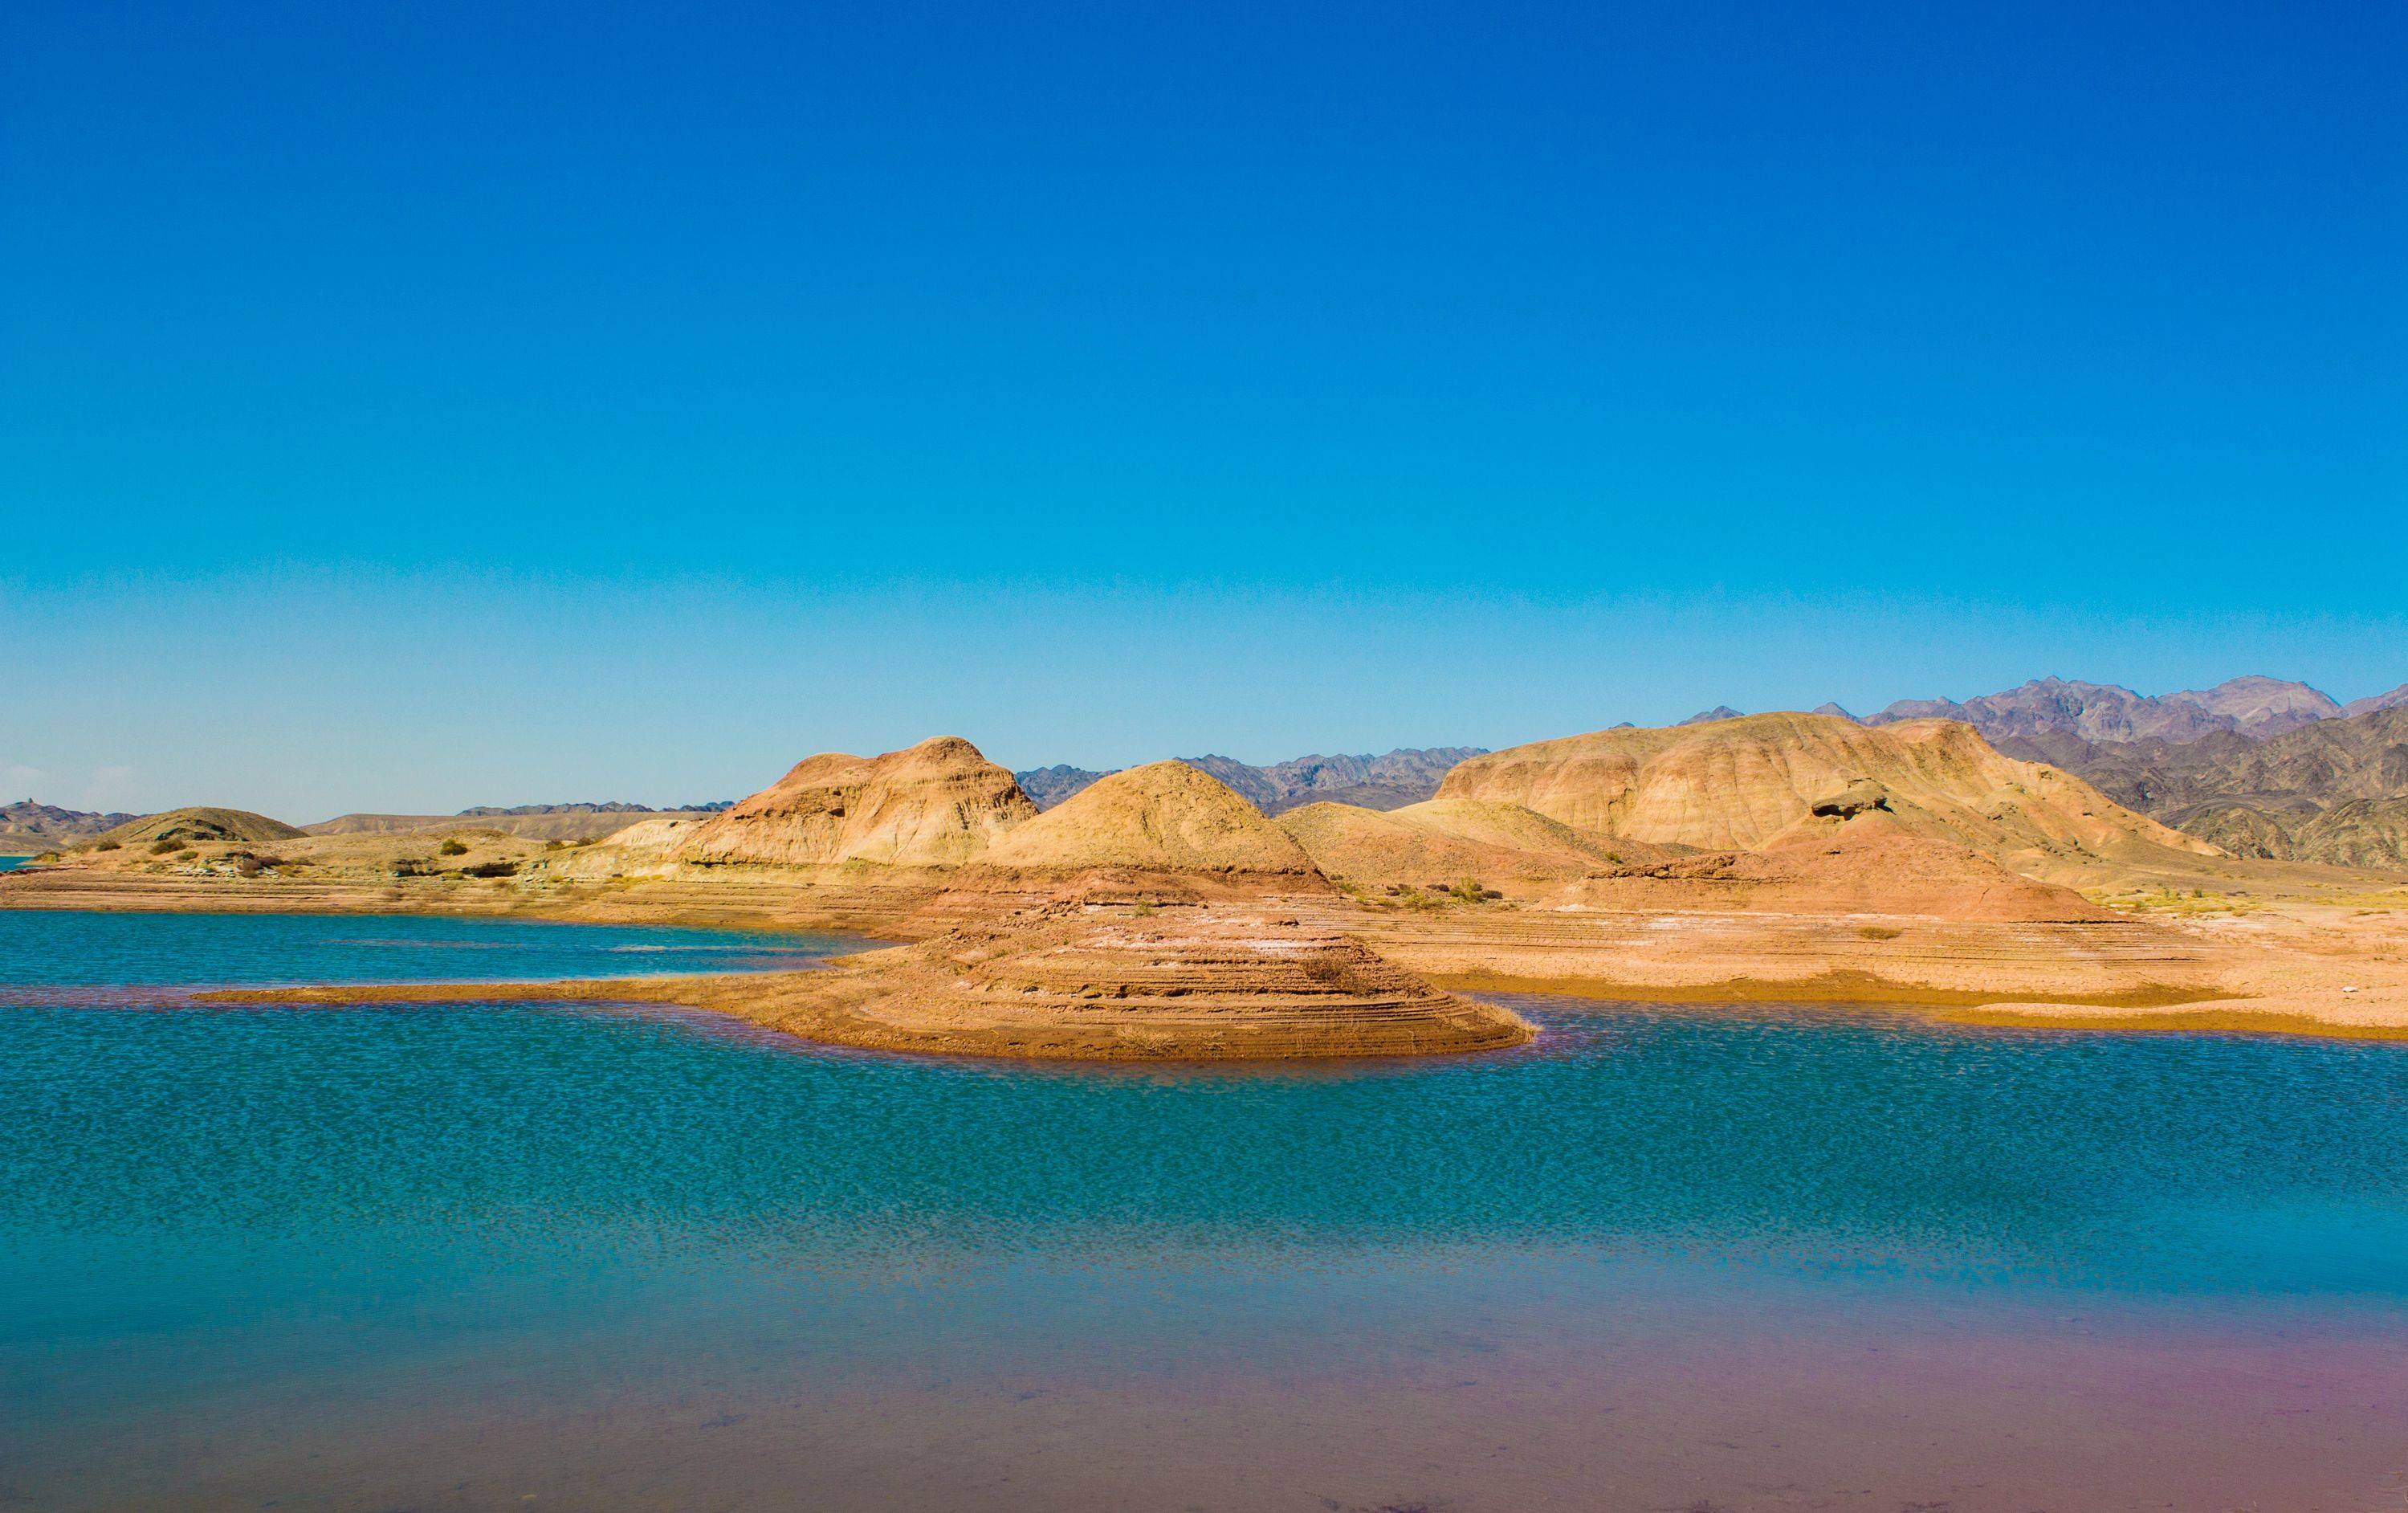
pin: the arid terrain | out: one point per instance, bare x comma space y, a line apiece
1156, 913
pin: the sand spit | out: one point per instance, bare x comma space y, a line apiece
2316, 958
1082, 984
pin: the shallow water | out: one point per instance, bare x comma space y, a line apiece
597, 1258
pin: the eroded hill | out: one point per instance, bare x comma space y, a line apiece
1744, 784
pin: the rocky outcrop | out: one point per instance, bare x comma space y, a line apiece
1858, 798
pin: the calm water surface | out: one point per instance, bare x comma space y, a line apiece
586, 1256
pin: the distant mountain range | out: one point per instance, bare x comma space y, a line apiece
28, 827
2250, 706
1391, 782
2253, 707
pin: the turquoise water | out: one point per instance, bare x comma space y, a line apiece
607, 1258
10, 864
47, 948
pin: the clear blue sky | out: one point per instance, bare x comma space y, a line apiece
417, 405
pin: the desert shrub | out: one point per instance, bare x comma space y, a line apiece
451, 849
555, 845
1329, 972
1470, 891
160, 848
491, 868
248, 866
188, 854
410, 867
106, 846
48, 856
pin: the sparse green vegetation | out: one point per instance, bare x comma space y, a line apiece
106, 846
160, 848
453, 848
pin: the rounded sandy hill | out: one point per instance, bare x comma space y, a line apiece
937, 804
201, 824
1166, 817
1741, 783
1443, 842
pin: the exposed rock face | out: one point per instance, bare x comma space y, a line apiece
1859, 797
204, 824
937, 804
2249, 706
1741, 783
1164, 816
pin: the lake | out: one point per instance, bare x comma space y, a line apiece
602, 1257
